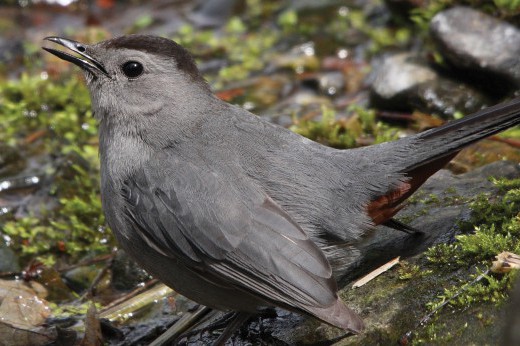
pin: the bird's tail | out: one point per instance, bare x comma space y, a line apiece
437, 146
431, 150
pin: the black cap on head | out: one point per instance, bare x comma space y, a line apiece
160, 46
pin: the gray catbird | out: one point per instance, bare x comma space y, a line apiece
230, 210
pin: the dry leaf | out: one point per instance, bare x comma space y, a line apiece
505, 262
22, 313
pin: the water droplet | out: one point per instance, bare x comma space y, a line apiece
308, 48
32, 180
248, 105
343, 53
343, 11
331, 90
7, 239
4, 185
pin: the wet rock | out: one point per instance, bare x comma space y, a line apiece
212, 13
404, 82
11, 161
395, 77
444, 97
126, 273
10, 49
315, 6
402, 8
8, 259
146, 332
80, 278
480, 44
511, 334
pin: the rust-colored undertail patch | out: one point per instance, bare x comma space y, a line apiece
383, 208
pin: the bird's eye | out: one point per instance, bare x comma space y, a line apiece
132, 69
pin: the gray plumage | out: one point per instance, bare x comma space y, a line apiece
230, 210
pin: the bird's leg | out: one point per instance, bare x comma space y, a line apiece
187, 321
230, 322
239, 319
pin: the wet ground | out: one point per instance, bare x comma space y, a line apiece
327, 70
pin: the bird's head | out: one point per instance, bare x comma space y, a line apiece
138, 78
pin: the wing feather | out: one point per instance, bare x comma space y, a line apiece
220, 224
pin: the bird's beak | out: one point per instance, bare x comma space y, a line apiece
88, 63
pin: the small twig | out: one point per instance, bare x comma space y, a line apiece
128, 307
510, 141
131, 294
100, 258
10, 274
90, 291
375, 273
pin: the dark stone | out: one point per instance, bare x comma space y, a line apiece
212, 13
485, 47
404, 82
444, 97
8, 259
11, 161
11, 49
511, 334
126, 273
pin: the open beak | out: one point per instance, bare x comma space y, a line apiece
88, 63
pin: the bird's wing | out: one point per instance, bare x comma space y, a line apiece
219, 224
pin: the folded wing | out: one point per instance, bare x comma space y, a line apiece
223, 225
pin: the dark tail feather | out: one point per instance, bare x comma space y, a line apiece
442, 143
433, 149
400, 226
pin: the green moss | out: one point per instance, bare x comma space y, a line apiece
379, 37
345, 133
60, 111
246, 52
142, 22
288, 20
32, 103
327, 130
510, 186
493, 228
409, 271
74, 309
508, 6
74, 228
488, 288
